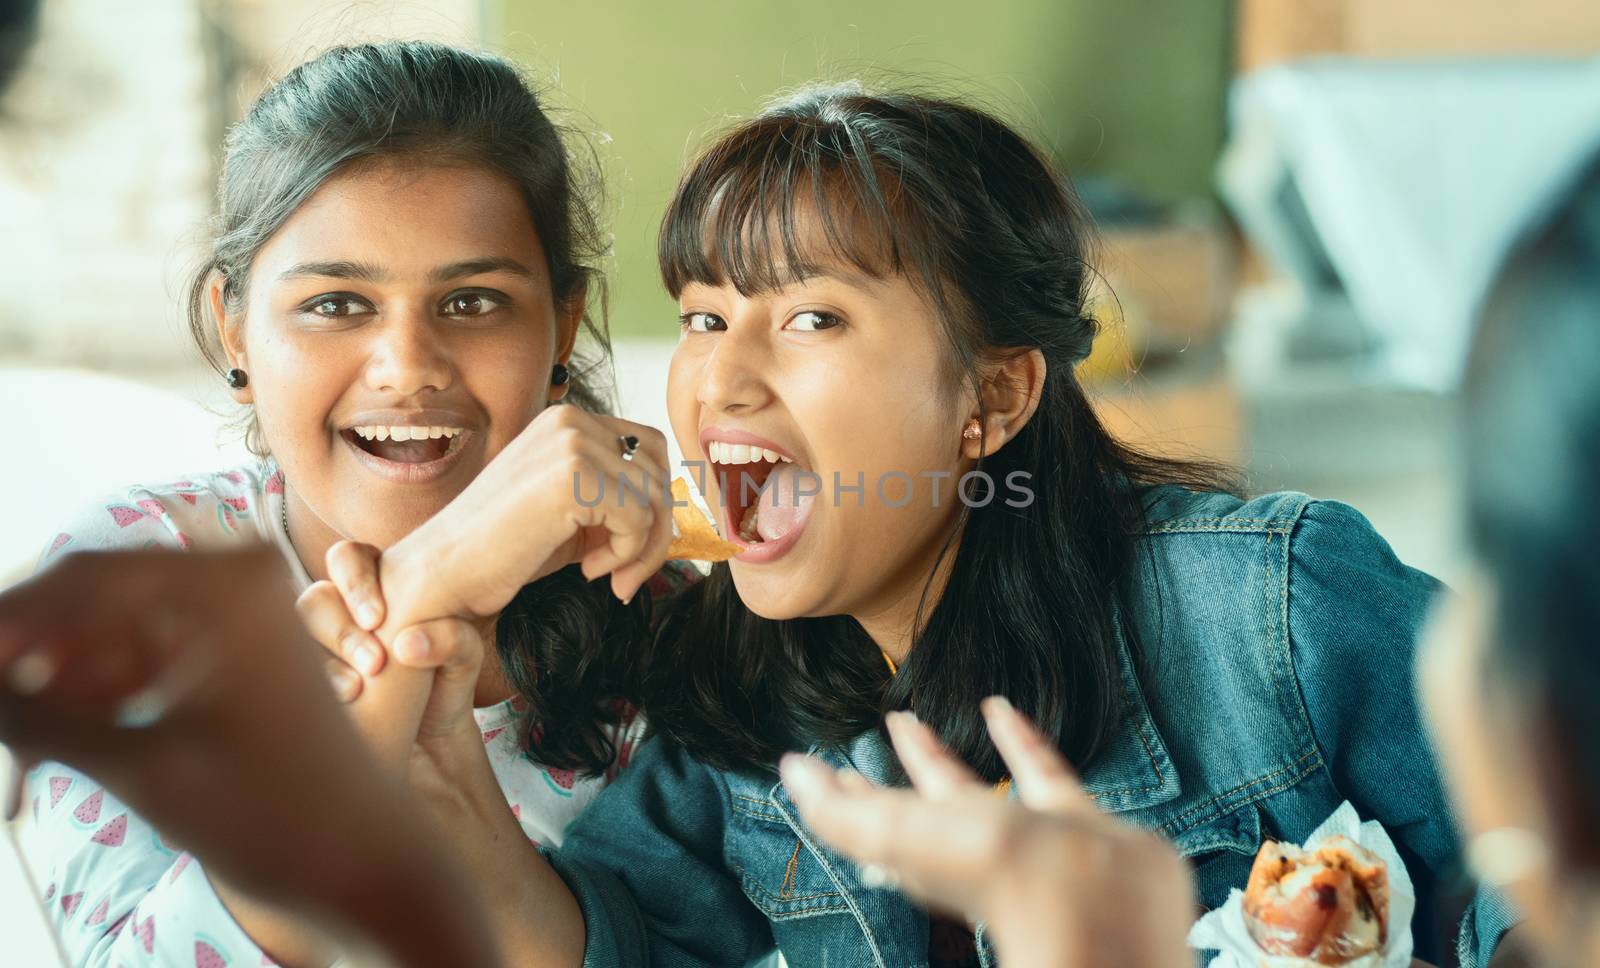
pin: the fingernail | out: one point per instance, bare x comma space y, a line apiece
367, 614
802, 775
412, 646
31, 673
996, 705
344, 682
368, 657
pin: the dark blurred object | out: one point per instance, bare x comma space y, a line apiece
1532, 456
1277, 31
208, 712
19, 22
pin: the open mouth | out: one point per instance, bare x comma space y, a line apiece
763, 492
403, 444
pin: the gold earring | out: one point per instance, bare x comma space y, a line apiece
972, 431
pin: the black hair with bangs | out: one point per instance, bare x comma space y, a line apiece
949, 195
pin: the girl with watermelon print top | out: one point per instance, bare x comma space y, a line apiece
401, 267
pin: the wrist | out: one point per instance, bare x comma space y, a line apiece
414, 576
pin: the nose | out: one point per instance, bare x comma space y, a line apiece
407, 356
731, 376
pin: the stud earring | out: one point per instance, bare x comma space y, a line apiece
559, 375
237, 378
972, 431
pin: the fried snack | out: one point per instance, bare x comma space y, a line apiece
1329, 906
695, 537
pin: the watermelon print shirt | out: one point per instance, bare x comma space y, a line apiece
118, 892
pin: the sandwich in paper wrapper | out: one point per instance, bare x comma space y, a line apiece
1342, 899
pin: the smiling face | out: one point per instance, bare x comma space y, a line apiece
398, 331
842, 377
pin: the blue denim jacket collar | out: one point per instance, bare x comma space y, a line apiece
1132, 773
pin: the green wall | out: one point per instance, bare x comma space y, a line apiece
1132, 88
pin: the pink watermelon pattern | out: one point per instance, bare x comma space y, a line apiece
233, 476
206, 956
49, 893
275, 483
70, 902
60, 542
59, 785
146, 933
189, 499
489, 735
113, 833
89, 810
125, 515
560, 781
98, 915
119, 924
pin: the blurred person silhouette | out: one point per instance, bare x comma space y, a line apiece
1511, 667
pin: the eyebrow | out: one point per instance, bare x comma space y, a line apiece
366, 272
475, 267
337, 270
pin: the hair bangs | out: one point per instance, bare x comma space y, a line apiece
771, 208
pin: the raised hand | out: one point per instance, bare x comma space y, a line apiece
239, 751
1057, 882
567, 489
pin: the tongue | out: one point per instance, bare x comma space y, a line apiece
783, 507
410, 451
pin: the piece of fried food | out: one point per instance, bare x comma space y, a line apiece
1329, 905
695, 537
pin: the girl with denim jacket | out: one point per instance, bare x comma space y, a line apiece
883, 299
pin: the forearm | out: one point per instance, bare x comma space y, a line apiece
421, 580
535, 919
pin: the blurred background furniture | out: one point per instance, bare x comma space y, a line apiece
77, 434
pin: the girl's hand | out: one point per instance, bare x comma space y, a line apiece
454, 648
1057, 882
560, 493
447, 767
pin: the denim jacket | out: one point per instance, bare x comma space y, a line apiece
1274, 681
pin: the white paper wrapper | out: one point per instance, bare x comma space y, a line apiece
1224, 929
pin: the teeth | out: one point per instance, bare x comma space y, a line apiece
379, 432
722, 452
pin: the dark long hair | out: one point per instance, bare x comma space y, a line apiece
961, 203
432, 102
1532, 461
